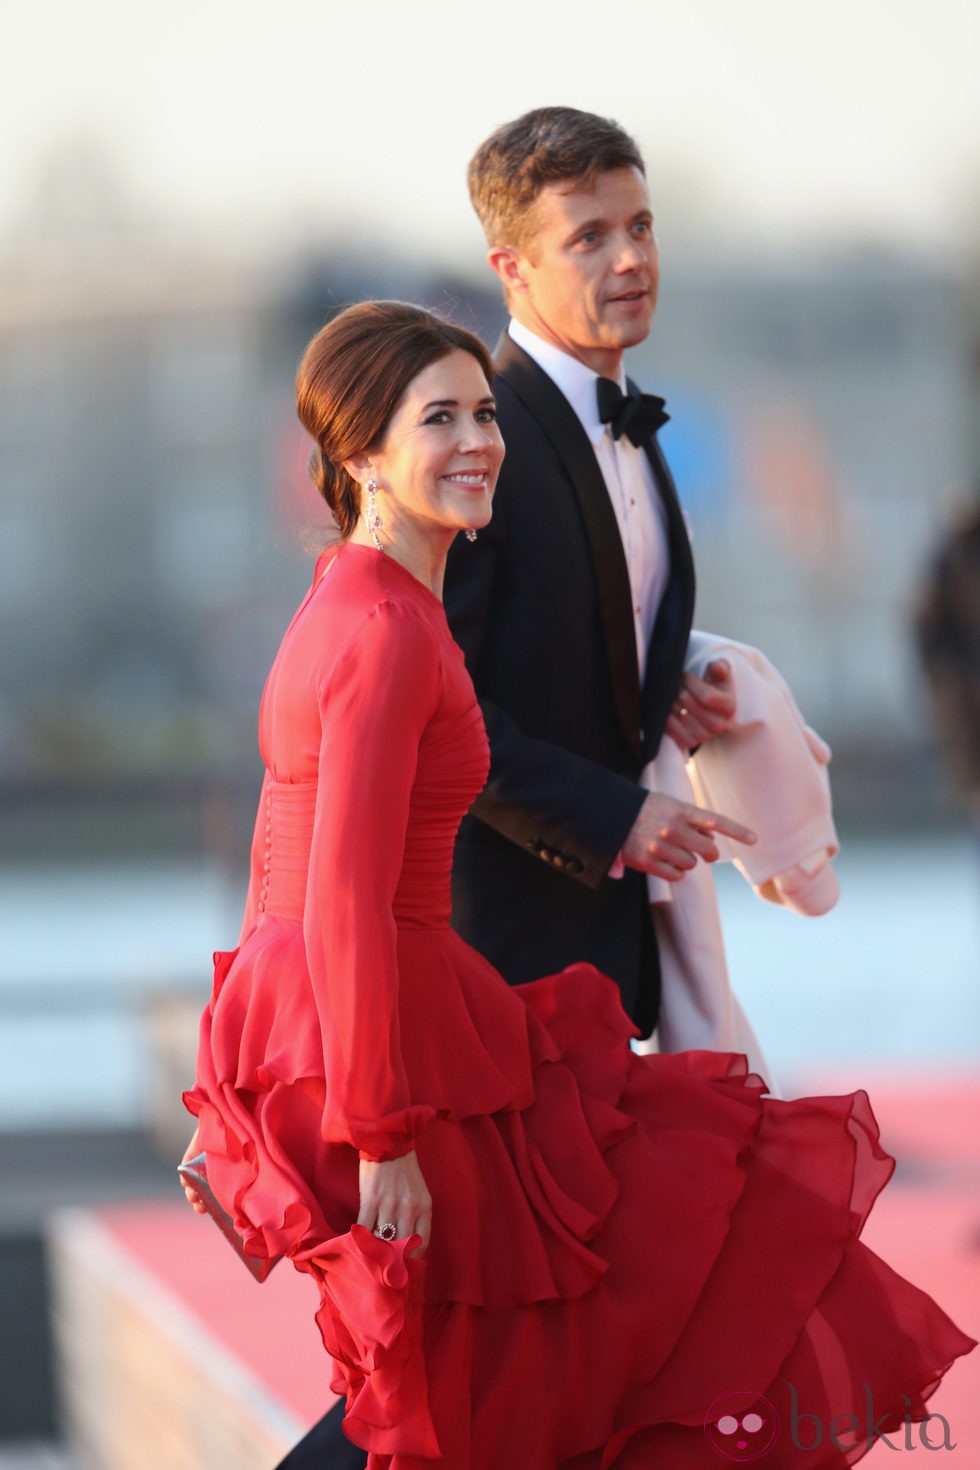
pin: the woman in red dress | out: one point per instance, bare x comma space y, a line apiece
532, 1247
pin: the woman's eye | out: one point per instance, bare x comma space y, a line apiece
486, 415
439, 417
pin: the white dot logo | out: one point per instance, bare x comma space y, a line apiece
741, 1425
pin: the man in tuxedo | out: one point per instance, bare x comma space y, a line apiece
573, 607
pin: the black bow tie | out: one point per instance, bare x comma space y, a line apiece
637, 415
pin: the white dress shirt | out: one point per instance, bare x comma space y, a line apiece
629, 481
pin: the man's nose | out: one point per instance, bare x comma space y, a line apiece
631, 255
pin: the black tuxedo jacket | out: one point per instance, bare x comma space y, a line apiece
541, 606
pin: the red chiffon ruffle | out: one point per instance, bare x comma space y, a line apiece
612, 1253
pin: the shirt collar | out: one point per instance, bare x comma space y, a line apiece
571, 377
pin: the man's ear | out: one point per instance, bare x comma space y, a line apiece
509, 265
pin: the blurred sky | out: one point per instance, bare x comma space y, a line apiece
762, 121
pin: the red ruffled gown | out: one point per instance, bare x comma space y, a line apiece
625, 1251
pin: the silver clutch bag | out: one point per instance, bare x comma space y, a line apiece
194, 1173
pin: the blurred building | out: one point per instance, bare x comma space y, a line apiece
153, 496
821, 416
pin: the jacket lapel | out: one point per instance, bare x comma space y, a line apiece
671, 630
560, 424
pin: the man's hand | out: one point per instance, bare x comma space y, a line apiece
669, 836
704, 707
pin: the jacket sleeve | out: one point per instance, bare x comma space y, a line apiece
374, 706
572, 812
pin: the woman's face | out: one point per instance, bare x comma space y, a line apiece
438, 463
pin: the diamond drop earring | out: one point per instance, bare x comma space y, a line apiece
470, 535
373, 515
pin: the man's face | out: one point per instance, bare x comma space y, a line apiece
587, 278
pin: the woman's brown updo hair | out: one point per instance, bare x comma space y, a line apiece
352, 378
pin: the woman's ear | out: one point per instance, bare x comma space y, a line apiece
359, 468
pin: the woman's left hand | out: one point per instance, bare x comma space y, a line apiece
193, 1198
393, 1193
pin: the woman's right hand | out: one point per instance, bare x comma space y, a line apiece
393, 1192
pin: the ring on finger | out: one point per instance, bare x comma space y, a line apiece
386, 1230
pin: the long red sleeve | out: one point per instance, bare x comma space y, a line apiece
374, 704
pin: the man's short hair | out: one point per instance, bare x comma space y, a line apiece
549, 145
